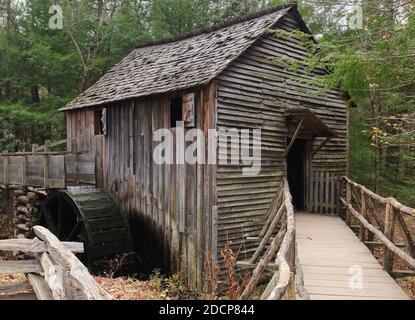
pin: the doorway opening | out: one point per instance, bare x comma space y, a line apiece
296, 172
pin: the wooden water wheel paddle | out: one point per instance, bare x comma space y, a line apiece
88, 215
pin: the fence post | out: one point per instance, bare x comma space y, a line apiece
47, 145
389, 232
348, 202
6, 171
362, 230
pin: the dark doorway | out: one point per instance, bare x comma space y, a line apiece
296, 168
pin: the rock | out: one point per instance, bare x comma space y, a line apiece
22, 199
22, 209
18, 221
21, 236
32, 196
18, 193
22, 226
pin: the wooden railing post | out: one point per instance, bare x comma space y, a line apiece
47, 145
6, 171
389, 232
46, 171
24, 171
362, 230
348, 202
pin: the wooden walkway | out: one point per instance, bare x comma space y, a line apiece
330, 254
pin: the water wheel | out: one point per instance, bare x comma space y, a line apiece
87, 215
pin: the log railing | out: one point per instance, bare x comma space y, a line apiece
55, 273
377, 219
277, 240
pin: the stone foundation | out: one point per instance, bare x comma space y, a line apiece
19, 212
26, 213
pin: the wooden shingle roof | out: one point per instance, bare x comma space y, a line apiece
178, 65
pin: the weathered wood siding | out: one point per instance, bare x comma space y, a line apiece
80, 126
254, 92
171, 208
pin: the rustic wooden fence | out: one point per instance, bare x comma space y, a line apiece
324, 193
377, 220
287, 280
54, 274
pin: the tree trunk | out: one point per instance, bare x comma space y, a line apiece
35, 94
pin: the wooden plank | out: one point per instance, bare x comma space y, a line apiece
54, 277
15, 287
40, 287
46, 172
35, 246
24, 266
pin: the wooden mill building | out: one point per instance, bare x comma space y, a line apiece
233, 75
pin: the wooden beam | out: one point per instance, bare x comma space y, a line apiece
46, 172
390, 219
35, 246
6, 171
247, 265
15, 287
402, 274
372, 244
297, 132
24, 266
40, 287
53, 277
24, 171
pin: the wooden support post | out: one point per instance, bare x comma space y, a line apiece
297, 132
348, 202
24, 171
47, 145
362, 230
46, 172
389, 232
6, 171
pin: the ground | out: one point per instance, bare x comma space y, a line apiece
124, 288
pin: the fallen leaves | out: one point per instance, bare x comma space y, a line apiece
124, 288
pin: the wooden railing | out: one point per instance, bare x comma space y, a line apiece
377, 219
287, 280
54, 274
